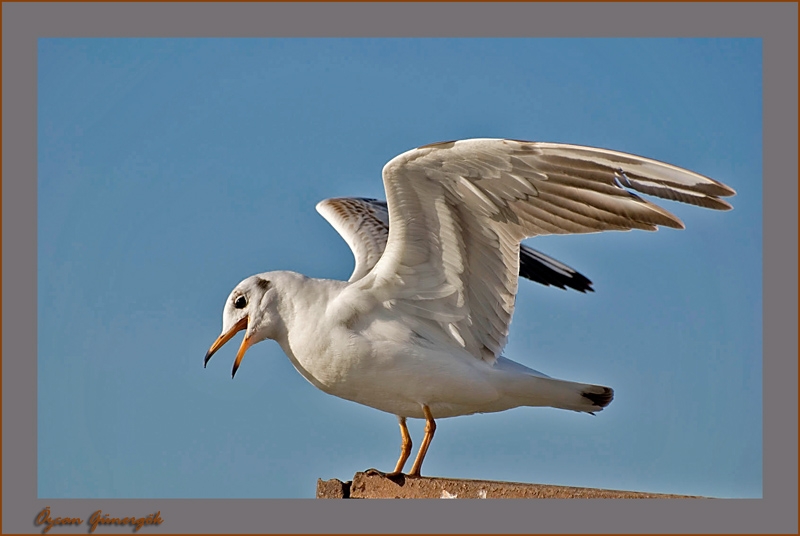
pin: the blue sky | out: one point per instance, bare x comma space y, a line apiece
169, 170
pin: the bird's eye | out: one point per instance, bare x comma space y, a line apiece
240, 302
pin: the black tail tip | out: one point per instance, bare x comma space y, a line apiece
601, 399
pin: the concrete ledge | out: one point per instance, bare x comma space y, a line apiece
377, 486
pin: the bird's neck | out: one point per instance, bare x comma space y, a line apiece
307, 324
305, 306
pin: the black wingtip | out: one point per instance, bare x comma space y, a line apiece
600, 399
534, 268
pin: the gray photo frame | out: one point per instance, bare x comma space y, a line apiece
775, 23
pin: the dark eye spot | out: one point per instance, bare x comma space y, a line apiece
263, 283
240, 302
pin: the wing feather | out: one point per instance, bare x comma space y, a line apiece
458, 211
362, 225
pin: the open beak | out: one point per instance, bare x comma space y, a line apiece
225, 337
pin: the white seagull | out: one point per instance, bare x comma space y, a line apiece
419, 328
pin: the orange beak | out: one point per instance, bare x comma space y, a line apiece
225, 337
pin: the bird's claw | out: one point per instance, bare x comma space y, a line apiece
398, 477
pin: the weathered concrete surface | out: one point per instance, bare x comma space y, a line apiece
333, 489
377, 486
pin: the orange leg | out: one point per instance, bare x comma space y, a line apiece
405, 448
430, 428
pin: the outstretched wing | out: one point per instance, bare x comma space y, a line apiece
458, 211
364, 224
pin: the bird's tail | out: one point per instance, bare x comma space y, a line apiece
528, 387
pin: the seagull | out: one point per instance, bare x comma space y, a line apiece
419, 328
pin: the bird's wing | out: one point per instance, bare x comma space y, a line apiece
458, 211
364, 225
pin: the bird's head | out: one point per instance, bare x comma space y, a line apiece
251, 306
